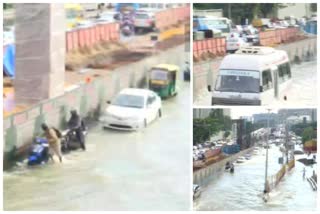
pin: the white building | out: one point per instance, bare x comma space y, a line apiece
296, 10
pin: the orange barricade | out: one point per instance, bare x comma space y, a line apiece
82, 41
69, 42
169, 17
215, 46
87, 37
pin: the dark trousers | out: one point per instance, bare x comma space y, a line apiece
80, 138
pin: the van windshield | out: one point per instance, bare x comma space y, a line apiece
242, 81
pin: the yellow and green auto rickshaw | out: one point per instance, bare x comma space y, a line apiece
163, 80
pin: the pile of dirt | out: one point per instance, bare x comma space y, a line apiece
7, 82
84, 56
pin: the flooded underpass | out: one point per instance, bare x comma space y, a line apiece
301, 91
145, 170
243, 189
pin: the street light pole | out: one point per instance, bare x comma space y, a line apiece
266, 189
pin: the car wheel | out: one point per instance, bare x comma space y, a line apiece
159, 113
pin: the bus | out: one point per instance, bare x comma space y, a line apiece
252, 76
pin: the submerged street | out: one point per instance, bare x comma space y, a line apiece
145, 170
301, 92
243, 189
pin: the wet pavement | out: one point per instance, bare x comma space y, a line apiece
302, 91
243, 189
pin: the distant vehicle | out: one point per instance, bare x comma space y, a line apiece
241, 160
74, 15
220, 23
252, 76
132, 109
108, 17
251, 35
247, 156
84, 24
164, 80
235, 42
89, 6
200, 24
144, 21
196, 191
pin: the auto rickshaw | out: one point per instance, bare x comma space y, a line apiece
163, 80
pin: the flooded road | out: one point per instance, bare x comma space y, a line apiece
243, 189
302, 91
146, 170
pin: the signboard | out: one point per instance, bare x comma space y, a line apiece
245, 73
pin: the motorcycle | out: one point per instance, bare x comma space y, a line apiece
39, 153
70, 141
126, 28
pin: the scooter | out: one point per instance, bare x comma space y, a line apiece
126, 29
69, 141
39, 153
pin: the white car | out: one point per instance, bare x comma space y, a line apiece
132, 109
235, 42
144, 20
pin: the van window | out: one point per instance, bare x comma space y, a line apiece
266, 80
288, 69
284, 72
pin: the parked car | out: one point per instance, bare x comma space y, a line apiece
132, 109
108, 17
144, 21
235, 42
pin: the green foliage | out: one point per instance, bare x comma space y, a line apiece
306, 130
204, 128
242, 11
7, 6
313, 7
308, 134
226, 134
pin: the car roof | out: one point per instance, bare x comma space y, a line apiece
169, 67
136, 91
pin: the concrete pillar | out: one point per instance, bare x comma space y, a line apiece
40, 52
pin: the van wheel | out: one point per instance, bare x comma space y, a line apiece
159, 113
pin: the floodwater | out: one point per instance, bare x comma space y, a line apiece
145, 170
302, 91
243, 189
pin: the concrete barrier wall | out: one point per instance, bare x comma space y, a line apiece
208, 174
208, 70
89, 99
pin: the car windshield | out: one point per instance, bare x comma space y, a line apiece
127, 100
242, 81
159, 75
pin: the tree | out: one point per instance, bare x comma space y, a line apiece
242, 11
313, 7
308, 134
226, 134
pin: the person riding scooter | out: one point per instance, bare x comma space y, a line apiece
76, 125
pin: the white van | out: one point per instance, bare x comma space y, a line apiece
252, 76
